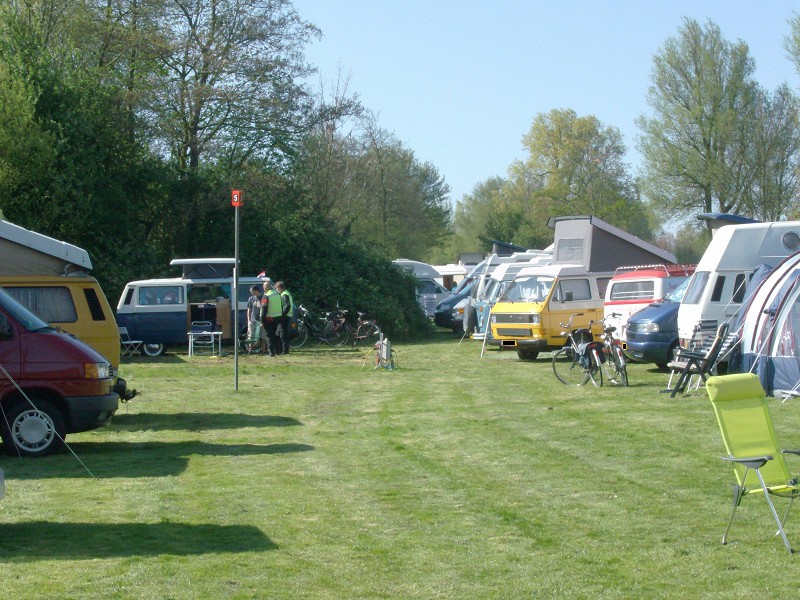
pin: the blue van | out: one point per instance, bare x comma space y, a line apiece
652, 333
160, 312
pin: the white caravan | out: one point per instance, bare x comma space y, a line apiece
717, 288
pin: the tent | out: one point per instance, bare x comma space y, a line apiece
770, 327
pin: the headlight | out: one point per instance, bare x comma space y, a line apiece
97, 370
494, 318
648, 327
535, 318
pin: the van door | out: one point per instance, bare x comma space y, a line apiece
571, 296
158, 314
9, 350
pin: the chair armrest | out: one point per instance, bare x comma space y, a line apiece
754, 462
684, 354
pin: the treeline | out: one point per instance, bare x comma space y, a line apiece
124, 126
714, 140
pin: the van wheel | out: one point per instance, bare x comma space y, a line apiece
153, 349
33, 431
527, 354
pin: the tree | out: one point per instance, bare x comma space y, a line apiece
697, 145
776, 156
231, 85
575, 166
472, 220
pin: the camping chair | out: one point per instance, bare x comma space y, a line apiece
740, 404
252, 345
128, 347
695, 362
201, 336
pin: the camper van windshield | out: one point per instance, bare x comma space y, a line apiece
528, 289
696, 286
21, 314
679, 292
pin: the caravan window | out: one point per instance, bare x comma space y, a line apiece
738, 288
161, 294
696, 287
719, 284
633, 290
572, 290
52, 304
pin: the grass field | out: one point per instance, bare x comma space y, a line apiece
453, 476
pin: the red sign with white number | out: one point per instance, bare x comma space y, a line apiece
236, 198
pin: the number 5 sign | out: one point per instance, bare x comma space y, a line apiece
236, 198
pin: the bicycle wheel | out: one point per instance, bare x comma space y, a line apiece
620, 366
367, 333
595, 370
334, 334
567, 369
300, 338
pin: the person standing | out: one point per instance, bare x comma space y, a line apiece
254, 315
270, 313
285, 321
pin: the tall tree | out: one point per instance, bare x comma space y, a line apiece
697, 145
232, 79
776, 156
575, 166
473, 214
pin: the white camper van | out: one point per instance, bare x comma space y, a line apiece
717, 288
430, 290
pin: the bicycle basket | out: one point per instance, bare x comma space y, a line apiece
584, 353
582, 336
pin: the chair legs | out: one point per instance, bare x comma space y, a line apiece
738, 492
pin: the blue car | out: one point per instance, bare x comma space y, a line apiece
652, 333
443, 317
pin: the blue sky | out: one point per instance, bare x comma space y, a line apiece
460, 83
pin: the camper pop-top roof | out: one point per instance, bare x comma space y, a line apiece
26, 252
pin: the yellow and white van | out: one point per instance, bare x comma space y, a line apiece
49, 277
528, 316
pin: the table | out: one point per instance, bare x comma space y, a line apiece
201, 339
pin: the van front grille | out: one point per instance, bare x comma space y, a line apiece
514, 331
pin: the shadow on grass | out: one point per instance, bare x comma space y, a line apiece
197, 421
134, 459
166, 358
37, 540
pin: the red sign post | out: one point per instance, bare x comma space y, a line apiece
236, 198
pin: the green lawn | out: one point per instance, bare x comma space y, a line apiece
453, 476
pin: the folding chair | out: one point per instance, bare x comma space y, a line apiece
740, 404
128, 347
700, 363
201, 336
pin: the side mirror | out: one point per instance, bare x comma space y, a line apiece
567, 296
6, 333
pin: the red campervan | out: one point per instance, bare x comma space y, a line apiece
633, 288
51, 383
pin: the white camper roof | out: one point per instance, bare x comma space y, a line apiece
26, 252
743, 247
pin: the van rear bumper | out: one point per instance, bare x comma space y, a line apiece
90, 412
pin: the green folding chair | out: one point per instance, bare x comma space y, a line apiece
759, 464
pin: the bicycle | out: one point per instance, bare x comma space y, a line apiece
580, 359
614, 365
364, 330
332, 332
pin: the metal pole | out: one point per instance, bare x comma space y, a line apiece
236, 301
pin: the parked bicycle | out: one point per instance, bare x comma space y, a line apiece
332, 331
614, 365
581, 357
365, 331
